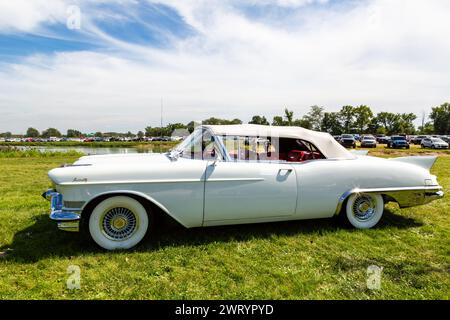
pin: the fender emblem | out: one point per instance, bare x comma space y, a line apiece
79, 180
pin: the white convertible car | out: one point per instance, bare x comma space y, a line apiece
234, 174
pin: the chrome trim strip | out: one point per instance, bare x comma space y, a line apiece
234, 179
130, 182
158, 181
404, 196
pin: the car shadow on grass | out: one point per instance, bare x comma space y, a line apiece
42, 239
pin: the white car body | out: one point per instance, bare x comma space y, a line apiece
223, 190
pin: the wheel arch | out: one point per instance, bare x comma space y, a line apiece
343, 199
146, 200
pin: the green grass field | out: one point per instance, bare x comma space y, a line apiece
316, 259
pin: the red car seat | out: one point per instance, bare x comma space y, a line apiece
298, 156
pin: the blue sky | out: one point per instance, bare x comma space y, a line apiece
224, 58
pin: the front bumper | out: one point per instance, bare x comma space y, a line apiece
400, 145
68, 220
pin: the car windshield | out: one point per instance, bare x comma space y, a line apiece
398, 138
437, 140
198, 145
347, 136
369, 138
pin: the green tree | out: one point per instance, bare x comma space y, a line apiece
278, 121
347, 118
331, 124
388, 121
259, 120
363, 117
72, 133
32, 133
51, 132
289, 115
140, 134
427, 128
441, 118
98, 134
405, 123
314, 117
217, 121
304, 122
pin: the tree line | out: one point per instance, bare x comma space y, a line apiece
349, 119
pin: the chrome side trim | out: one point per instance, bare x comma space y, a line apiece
131, 182
404, 196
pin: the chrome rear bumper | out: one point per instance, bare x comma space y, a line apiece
68, 220
404, 196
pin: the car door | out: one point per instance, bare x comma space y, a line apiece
248, 191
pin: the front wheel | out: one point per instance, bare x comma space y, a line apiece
364, 210
118, 222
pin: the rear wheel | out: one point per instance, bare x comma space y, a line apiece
364, 210
118, 222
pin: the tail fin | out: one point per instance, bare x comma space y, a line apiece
425, 162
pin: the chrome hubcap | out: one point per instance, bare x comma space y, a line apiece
119, 223
364, 207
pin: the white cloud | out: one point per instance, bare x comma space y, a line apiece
26, 15
392, 55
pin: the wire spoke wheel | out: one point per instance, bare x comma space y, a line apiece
364, 210
119, 223
363, 207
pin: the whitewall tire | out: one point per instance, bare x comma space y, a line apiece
118, 222
364, 210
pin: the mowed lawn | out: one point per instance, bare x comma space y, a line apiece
315, 259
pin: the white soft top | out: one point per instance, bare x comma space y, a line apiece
329, 147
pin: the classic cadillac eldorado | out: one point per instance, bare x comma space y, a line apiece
234, 174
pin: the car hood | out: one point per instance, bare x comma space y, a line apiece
98, 169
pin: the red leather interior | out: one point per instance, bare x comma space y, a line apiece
298, 156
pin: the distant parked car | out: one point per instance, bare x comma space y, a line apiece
337, 138
383, 139
446, 138
434, 143
418, 139
348, 141
368, 142
398, 142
